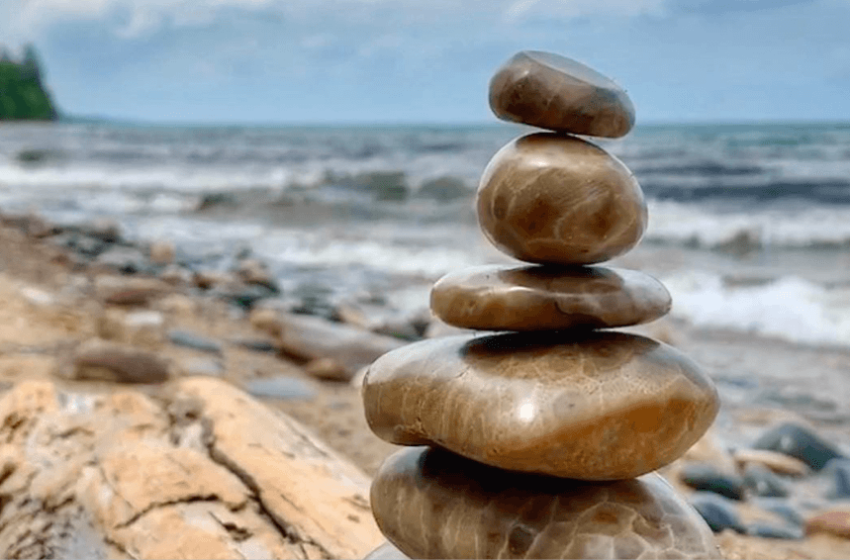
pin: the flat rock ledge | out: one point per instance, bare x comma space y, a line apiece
202, 472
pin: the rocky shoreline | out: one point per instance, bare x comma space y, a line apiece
83, 424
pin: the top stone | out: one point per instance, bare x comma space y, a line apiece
556, 93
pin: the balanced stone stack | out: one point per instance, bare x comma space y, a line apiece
541, 442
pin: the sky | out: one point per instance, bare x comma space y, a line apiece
429, 61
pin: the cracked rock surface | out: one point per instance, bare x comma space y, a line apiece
128, 475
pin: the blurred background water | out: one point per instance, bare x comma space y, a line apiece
749, 224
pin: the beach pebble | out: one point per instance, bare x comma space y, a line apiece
720, 513
798, 442
327, 369
434, 504
779, 463
195, 341
242, 295
121, 290
285, 388
542, 298
551, 199
762, 482
705, 477
774, 531
783, 508
100, 360
162, 252
138, 327
267, 320
838, 473
833, 522
600, 406
37, 297
557, 93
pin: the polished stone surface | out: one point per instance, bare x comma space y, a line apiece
557, 93
547, 298
598, 405
434, 504
551, 199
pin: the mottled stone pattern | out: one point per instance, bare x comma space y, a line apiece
597, 406
434, 504
551, 199
556, 93
535, 298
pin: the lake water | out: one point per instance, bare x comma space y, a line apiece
749, 224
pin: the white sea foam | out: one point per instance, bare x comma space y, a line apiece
675, 222
788, 308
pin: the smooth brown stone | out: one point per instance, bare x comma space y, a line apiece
551, 199
545, 298
434, 504
590, 406
557, 93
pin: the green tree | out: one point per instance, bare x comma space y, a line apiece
22, 92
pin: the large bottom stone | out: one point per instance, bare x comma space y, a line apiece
593, 406
433, 504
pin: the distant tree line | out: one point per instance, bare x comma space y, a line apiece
22, 92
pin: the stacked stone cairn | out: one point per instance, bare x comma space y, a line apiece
541, 442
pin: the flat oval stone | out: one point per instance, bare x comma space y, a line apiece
434, 504
557, 93
551, 199
548, 298
597, 405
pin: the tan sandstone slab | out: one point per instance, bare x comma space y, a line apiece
434, 504
557, 93
551, 199
545, 298
592, 406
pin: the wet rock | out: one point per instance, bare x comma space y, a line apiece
838, 472
194, 341
121, 290
798, 442
209, 279
100, 360
773, 460
762, 482
774, 531
309, 338
88, 246
162, 252
705, 477
327, 369
215, 201
267, 320
833, 522
284, 388
720, 513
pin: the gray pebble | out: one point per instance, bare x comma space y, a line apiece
281, 388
